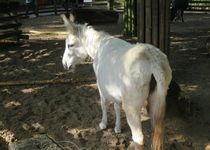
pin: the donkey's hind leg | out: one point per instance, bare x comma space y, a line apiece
132, 110
117, 128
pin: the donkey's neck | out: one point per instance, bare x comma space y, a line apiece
94, 40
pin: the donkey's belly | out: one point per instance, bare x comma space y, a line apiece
109, 81
111, 92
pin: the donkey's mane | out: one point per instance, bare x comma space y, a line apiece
87, 34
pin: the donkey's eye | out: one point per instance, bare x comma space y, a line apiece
70, 45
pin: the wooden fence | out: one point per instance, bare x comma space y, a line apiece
149, 21
199, 5
9, 25
58, 6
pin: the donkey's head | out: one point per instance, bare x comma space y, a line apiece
74, 50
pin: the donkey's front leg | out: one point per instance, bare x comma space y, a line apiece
117, 128
103, 122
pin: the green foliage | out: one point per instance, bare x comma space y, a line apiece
199, 5
130, 18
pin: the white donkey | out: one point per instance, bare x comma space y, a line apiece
124, 72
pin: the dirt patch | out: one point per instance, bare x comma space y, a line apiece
70, 113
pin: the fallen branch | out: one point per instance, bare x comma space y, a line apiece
42, 82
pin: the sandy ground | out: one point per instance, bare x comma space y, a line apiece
69, 113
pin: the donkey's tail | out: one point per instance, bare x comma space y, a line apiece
162, 74
157, 113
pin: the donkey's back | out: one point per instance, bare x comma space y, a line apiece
124, 68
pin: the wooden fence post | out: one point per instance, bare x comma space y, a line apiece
110, 4
55, 6
153, 23
167, 27
10, 31
141, 20
149, 20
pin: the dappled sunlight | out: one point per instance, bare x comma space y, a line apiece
15, 72
25, 45
194, 49
190, 88
53, 111
41, 51
44, 55
36, 127
2, 55
183, 49
207, 147
93, 85
27, 53
7, 135
62, 73
32, 56
44, 22
50, 64
190, 61
76, 131
66, 105
145, 117
5, 60
178, 138
12, 52
31, 90
193, 58
181, 38
12, 104
36, 33
32, 60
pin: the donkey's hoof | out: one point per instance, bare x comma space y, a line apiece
102, 126
117, 130
135, 146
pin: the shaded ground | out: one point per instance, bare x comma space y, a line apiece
71, 113
191, 62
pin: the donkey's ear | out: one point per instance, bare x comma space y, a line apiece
68, 23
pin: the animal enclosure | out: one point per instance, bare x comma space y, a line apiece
69, 112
